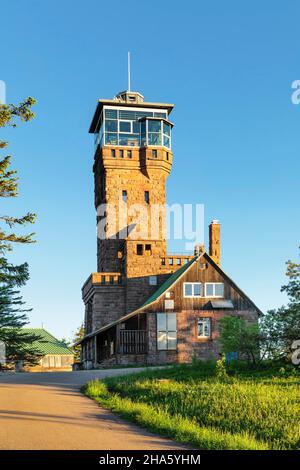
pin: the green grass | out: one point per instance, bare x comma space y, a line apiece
252, 410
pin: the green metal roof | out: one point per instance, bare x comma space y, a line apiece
168, 283
47, 344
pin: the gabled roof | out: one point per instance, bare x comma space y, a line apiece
233, 284
48, 344
170, 282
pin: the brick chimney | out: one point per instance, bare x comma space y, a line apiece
214, 241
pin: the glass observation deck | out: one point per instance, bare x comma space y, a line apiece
133, 127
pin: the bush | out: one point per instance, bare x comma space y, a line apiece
221, 372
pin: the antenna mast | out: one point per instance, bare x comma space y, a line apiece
128, 63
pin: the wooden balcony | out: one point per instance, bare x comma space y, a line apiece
132, 342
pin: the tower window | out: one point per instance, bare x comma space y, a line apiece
167, 156
148, 248
111, 126
125, 126
154, 153
121, 153
113, 153
129, 153
139, 250
147, 197
124, 196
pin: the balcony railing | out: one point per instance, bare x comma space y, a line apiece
133, 342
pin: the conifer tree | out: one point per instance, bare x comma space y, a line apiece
282, 326
79, 334
13, 316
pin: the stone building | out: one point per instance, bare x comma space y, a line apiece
143, 305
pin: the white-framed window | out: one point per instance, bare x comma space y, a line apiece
204, 327
152, 280
192, 289
214, 289
122, 126
125, 127
166, 331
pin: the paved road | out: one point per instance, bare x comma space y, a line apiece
47, 411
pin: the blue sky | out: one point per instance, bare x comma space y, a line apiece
227, 66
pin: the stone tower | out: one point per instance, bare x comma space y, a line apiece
133, 159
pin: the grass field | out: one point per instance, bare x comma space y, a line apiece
251, 410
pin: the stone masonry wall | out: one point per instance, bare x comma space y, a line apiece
188, 344
108, 305
135, 175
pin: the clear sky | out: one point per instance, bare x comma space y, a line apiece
227, 66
